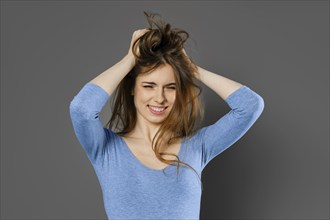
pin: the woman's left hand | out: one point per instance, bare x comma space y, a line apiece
196, 73
184, 52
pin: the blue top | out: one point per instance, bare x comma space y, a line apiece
132, 190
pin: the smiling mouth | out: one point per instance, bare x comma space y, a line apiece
157, 110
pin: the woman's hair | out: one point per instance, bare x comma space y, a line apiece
158, 46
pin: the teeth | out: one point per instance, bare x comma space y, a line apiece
157, 109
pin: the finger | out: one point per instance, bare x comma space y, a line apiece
146, 30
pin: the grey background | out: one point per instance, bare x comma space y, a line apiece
278, 170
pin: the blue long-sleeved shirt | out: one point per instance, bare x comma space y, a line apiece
132, 190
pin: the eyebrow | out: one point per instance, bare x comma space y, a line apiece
153, 83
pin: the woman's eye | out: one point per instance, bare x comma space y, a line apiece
166, 87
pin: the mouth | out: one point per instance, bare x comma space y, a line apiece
157, 110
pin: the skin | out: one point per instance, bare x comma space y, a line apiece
155, 89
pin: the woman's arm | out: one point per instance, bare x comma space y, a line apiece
219, 84
110, 78
246, 107
88, 103
84, 112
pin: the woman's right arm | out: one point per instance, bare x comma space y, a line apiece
88, 103
84, 112
110, 78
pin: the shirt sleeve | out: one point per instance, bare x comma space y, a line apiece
246, 107
84, 112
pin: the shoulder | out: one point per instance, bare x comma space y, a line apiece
197, 135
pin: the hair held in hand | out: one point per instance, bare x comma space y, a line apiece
161, 45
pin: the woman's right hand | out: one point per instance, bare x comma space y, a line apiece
135, 36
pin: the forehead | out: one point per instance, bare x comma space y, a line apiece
163, 73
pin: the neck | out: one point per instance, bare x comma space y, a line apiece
144, 130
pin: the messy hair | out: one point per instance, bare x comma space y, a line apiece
161, 45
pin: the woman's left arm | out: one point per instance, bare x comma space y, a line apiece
219, 84
246, 107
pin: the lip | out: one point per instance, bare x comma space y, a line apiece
163, 106
155, 112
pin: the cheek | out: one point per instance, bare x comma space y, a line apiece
142, 96
171, 97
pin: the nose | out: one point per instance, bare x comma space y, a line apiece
160, 96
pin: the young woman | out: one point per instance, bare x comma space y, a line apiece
147, 158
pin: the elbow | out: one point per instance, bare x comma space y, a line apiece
77, 110
254, 112
74, 105
255, 108
80, 111
74, 109
260, 105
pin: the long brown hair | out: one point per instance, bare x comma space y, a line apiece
161, 45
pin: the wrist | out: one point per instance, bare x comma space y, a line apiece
197, 72
130, 58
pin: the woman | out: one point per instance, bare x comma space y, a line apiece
155, 108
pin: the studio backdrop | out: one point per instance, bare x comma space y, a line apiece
278, 170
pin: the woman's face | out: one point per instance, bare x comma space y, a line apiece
154, 94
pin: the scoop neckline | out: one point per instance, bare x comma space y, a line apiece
137, 161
